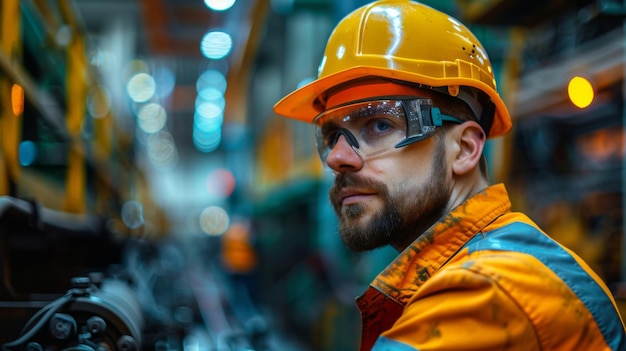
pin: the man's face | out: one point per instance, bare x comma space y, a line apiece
390, 199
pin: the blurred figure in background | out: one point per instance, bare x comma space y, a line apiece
238, 257
403, 105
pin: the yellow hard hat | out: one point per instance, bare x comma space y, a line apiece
405, 41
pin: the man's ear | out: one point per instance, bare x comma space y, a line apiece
471, 142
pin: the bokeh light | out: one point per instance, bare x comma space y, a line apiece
216, 44
27, 152
17, 99
209, 110
220, 183
132, 214
99, 103
165, 81
219, 5
214, 220
580, 92
207, 140
151, 118
211, 84
162, 150
141, 87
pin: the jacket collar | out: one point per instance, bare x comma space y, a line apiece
431, 250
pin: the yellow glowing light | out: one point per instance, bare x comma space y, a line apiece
580, 92
17, 99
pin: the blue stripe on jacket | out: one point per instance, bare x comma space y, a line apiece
525, 238
386, 344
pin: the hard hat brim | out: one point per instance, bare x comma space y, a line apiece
301, 103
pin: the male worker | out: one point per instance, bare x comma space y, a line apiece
402, 107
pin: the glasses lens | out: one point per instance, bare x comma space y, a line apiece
375, 126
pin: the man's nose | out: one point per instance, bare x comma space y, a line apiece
343, 156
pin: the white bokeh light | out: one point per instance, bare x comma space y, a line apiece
132, 214
219, 5
216, 45
162, 150
214, 220
141, 87
151, 118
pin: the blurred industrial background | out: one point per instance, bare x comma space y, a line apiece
150, 199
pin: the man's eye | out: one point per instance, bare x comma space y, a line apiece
381, 125
378, 130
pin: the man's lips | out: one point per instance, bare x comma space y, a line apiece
352, 196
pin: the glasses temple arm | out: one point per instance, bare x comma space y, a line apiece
438, 117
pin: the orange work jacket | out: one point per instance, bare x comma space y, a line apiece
485, 278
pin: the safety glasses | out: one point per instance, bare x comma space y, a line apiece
374, 126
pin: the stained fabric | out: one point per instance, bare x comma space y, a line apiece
486, 278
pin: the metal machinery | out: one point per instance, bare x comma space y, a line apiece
68, 284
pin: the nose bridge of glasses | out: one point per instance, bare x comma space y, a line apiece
347, 134
335, 151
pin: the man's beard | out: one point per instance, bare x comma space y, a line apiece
404, 215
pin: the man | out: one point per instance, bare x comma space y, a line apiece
402, 107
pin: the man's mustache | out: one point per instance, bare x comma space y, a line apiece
350, 180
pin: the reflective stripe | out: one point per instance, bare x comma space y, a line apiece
525, 238
386, 344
